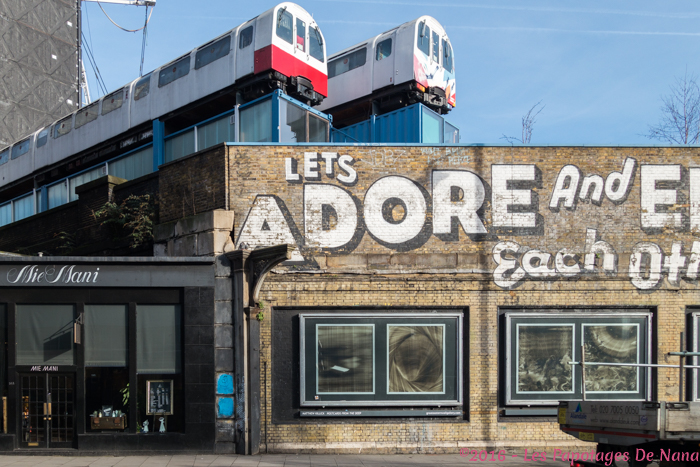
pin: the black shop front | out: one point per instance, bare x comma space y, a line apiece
107, 354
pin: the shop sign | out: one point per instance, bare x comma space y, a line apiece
40, 274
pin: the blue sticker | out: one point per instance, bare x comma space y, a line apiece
225, 384
225, 406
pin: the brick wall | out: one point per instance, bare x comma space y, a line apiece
629, 243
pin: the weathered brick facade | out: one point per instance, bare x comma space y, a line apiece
452, 269
486, 231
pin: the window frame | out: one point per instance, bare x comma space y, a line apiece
87, 114
169, 74
426, 34
278, 23
361, 52
109, 107
247, 35
316, 48
18, 150
214, 51
377, 56
577, 319
142, 87
452, 394
57, 132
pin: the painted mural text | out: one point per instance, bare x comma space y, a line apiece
402, 215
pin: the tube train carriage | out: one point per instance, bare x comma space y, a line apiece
282, 48
405, 65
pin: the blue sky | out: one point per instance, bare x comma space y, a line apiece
599, 67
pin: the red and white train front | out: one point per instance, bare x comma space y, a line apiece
296, 49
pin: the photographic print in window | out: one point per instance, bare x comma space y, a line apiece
345, 359
540, 345
381, 359
416, 359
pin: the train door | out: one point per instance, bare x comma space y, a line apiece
301, 40
47, 406
384, 73
245, 53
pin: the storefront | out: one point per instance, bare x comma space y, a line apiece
107, 354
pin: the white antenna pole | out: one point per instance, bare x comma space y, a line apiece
84, 85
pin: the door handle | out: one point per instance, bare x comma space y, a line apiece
45, 410
48, 399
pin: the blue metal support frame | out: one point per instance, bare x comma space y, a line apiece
158, 144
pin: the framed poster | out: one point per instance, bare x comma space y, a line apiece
160, 397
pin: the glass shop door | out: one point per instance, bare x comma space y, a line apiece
47, 410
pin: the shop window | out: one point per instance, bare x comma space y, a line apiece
347, 62
45, 334
106, 365
158, 339
212, 52
284, 25
23, 207
541, 346
3, 357
159, 359
424, 38
179, 145
106, 336
174, 71
431, 126
381, 359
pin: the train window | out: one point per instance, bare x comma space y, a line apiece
316, 44
20, 148
348, 62
174, 71
4, 156
301, 35
143, 86
384, 49
424, 38
212, 52
245, 38
436, 47
112, 102
43, 137
447, 54
62, 127
284, 25
86, 115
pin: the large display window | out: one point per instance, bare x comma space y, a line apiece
540, 346
381, 359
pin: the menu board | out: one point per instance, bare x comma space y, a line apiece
160, 397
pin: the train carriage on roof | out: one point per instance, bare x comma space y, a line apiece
282, 48
412, 63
